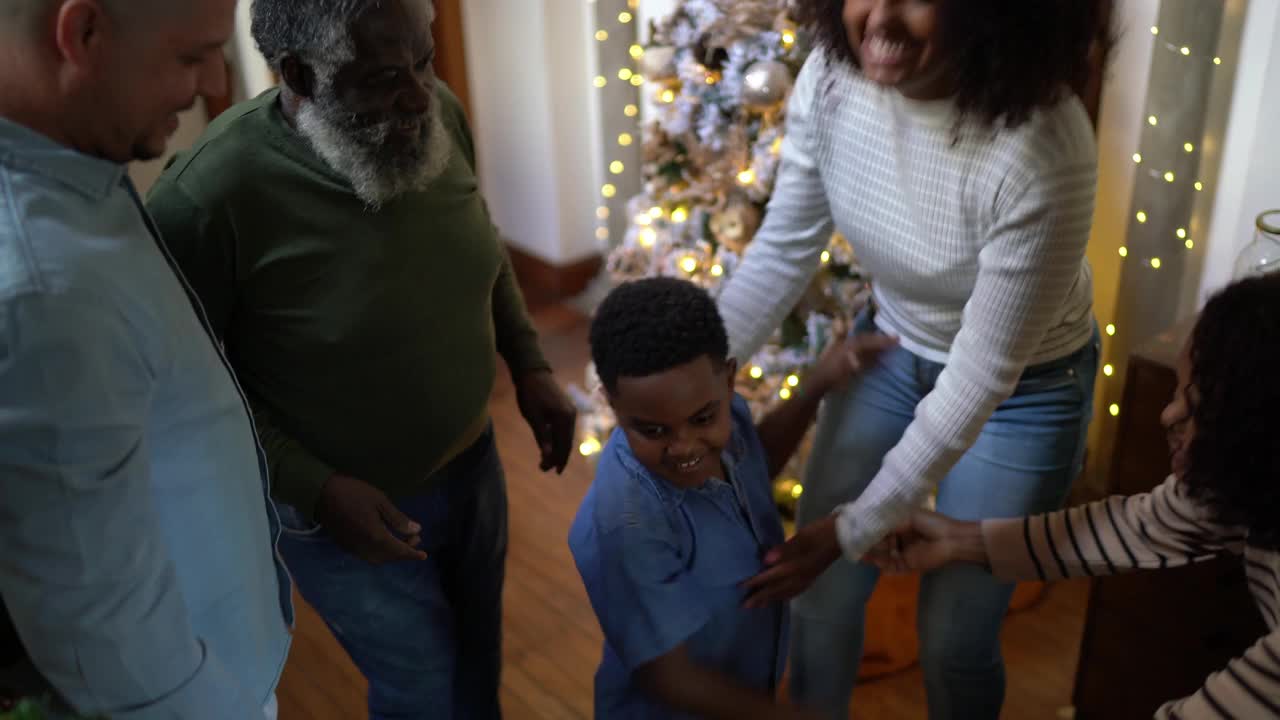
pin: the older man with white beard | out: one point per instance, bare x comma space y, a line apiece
336, 234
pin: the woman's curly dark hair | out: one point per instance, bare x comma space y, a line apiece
1233, 459
1007, 58
649, 326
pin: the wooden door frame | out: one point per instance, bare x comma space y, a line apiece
451, 52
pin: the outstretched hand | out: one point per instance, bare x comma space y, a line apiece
793, 566
927, 542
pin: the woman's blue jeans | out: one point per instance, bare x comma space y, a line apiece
1024, 462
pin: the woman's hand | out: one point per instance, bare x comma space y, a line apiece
929, 541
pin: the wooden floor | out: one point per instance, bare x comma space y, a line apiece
552, 642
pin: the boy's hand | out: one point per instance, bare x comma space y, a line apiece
793, 566
846, 357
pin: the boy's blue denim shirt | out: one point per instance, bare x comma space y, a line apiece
664, 566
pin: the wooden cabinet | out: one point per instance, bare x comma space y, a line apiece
1155, 636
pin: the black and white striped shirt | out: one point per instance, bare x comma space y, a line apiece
1163, 528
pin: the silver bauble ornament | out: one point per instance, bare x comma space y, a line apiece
658, 62
765, 84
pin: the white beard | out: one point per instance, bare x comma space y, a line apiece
360, 153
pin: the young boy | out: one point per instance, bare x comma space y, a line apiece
681, 512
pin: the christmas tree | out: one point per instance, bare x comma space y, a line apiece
719, 73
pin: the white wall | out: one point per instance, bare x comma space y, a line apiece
1250, 176
529, 66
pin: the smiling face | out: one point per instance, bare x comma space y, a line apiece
126, 75
678, 422
376, 119
897, 44
1178, 417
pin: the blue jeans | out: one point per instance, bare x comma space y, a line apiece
426, 634
1024, 462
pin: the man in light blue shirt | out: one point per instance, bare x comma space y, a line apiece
137, 556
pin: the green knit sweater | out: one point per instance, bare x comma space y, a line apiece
365, 340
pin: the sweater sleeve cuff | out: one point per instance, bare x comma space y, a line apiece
299, 479
1007, 550
857, 535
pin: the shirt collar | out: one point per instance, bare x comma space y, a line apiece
25, 149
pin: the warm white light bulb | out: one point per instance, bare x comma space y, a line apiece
1108, 370
1142, 217
1115, 410
1155, 263
1124, 251
1111, 330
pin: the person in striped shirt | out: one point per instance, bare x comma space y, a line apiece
1223, 497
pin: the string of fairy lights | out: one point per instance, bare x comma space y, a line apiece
1169, 176
666, 95
625, 139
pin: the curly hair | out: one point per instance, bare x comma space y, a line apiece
1007, 59
1233, 462
648, 326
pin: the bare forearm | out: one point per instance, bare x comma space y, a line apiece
965, 544
782, 430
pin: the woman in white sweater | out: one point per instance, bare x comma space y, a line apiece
943, 140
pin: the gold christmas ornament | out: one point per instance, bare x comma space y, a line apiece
765, 85
734, 226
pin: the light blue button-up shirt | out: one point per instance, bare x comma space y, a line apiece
664, 567
137, 541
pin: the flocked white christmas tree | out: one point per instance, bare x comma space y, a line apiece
720, 72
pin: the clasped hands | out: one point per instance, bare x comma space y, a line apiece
927, 541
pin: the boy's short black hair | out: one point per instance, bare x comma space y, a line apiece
649, 326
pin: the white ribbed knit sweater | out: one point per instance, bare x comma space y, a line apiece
975, 243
